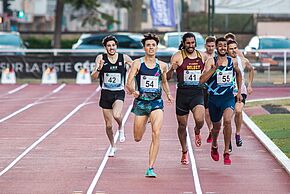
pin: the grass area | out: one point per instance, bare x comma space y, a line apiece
285, 102
277, 128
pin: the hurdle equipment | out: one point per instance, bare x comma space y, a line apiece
8, 76
49, 76
83, 77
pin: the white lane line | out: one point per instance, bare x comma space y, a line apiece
59, 88
268, 143
103, 164
17, 112
18, 88
51, 130
193, 165
31, 104
268, 99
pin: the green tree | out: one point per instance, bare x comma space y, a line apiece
94, 14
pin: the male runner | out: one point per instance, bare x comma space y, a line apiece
209, 53
243, 64
188, 64
111, 67
150, 75
219, 73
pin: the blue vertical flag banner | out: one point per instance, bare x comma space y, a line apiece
162, 13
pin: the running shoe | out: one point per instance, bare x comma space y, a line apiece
239, 141
184, 158
227, 160
112, 152
209, 138
198, 140
230, 147
122, 137
215, 154
150, 173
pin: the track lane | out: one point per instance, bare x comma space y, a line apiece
18, 102
125, 172
73, 152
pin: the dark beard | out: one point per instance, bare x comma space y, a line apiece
187, 50
111, 54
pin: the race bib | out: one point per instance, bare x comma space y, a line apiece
191, 77
225, 78
149, 83
112, 79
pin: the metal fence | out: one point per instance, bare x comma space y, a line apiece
271, 66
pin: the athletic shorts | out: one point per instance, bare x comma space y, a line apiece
244, 98
109, 97
187, 99
218, 104
205, 94
142, 107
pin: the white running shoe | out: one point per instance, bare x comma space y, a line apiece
112, 152
122, 137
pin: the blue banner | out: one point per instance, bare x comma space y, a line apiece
162, 13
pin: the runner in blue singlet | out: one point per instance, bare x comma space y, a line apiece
219, 74
150, 74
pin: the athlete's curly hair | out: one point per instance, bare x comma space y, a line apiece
109, 38
150, 36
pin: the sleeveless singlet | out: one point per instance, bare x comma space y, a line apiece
149, 82
222, 81
243, 86
189, 71
112, 76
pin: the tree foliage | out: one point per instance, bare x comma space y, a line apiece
93, 14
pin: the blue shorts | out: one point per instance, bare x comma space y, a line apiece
142, 107
218, 104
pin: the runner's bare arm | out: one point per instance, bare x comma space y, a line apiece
133, 72
209, 69
165, 85
174, 61
238, 79
128, 61
98, 66
250, 69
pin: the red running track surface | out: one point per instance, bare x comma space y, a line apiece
67, 160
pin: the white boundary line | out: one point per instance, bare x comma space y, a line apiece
193, 165
268, 99
51, 130
31, 104
268, 144
103, 164
18, 88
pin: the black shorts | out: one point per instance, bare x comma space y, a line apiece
205, 93
244, 98
187, 99
109, 97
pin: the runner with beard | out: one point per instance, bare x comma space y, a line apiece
219, 73
111, 67
188, 63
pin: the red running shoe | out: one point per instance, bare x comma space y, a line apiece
209, 138
227, 160
184, 158
215, 154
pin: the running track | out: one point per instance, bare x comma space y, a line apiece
53, 140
